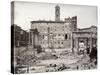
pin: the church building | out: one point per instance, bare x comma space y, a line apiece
56, 34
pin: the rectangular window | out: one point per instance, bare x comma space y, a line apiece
58, 34
62, 43
58, 42
55, 42
66, 36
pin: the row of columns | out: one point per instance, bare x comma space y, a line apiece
33, 38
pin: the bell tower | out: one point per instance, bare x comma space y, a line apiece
57, 13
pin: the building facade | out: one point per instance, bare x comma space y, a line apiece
62, 34
19, 36
55, 34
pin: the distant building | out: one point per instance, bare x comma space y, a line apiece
20, 36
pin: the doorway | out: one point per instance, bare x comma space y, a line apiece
82, 44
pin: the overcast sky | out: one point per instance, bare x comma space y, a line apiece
29, 11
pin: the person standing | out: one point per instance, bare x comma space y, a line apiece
88, 49
93, 54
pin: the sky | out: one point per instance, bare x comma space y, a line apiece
25, 12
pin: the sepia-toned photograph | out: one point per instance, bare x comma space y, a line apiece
52, 37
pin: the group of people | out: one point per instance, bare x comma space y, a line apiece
91, 52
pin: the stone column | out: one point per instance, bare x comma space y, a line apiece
32, 39
29, 39
48, 36
72, 42
90, 42
76, 43
36, 39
